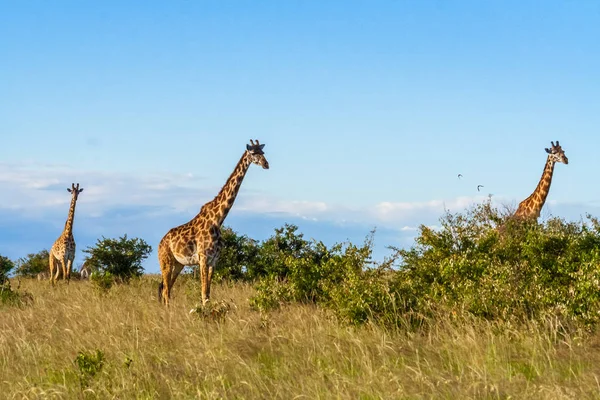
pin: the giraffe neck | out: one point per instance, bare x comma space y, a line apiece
540, 193
69, 224
219, 207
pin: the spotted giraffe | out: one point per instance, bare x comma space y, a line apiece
62, 252
198, 242
531, 207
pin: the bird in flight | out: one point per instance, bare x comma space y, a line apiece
459, 176
479, 186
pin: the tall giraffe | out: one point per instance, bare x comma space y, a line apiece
62, 252
198, 242
531, 207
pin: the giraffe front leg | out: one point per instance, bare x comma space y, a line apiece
212, 263
64, 269
68, 270
51, 265
205, 282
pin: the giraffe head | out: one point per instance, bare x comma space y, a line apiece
74, 190
557, 154
255, 150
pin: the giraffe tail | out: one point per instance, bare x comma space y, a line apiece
160, 289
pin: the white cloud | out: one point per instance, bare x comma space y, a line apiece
36, 190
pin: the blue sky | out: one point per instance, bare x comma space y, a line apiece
369, 110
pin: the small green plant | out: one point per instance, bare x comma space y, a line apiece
213, 311
89, 365
127, 362
9, 296
102, 281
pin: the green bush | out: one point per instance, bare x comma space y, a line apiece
8, 296
6, 265
245, 259
308, 272
33, 264
480, 262
237, 257
524, 270
275, 254
122, 257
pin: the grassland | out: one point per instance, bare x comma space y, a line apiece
299, 352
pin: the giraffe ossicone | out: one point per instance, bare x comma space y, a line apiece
198, 242
62, 252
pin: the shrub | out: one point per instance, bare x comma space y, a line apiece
33, 264
524, 270
238, 256
480, 262
309, 272
122, 257
275, 254
6, 265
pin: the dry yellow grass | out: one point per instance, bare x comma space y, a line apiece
297, 353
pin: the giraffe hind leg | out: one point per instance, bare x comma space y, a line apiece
170, 269
168, 281
57, 273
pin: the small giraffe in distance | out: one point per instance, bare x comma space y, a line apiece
531, 207
62, 252
198, 242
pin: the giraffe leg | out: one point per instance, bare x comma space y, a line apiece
68, 270
209, 278
205, 281
164, 290
169, 281
211, 266
175, 271
64, 269
170, 269
51, 265
57, 273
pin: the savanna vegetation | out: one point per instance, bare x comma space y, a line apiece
470, 311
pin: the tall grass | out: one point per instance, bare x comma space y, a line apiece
300, 351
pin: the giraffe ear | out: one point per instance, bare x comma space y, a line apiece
261, 146
80, 190
548, 151
248, 147
69, 190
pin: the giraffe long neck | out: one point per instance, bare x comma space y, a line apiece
223, 202
540, 193
69, 224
